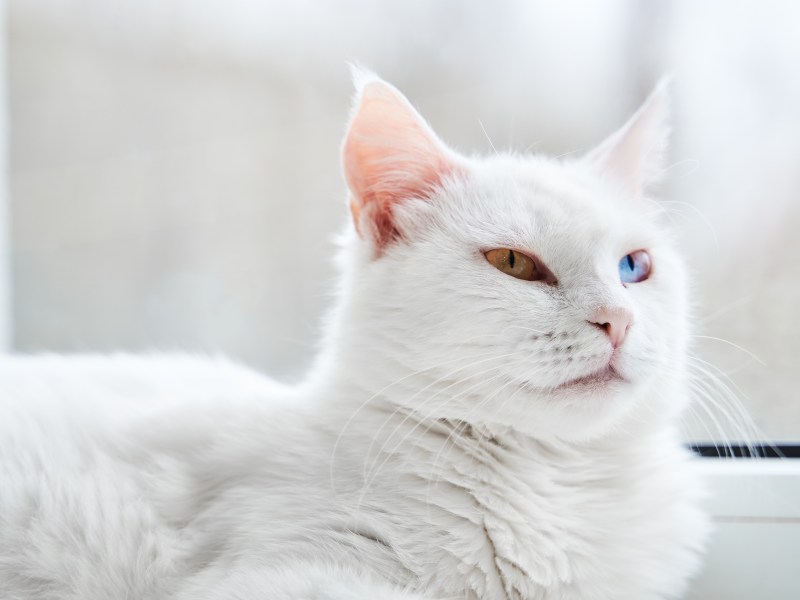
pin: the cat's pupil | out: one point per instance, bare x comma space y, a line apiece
511, 258
630, 262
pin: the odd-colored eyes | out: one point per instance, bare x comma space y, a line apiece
519, 265
514, 263
634, 267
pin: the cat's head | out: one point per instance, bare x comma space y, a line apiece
509, 290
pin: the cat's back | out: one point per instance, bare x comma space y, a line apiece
83, 443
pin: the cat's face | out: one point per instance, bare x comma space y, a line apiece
561, 353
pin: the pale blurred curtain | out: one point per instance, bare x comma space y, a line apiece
5, 279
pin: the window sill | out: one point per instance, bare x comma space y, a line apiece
753, 550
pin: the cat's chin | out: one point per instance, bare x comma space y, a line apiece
577, 410
607, 378
598, 379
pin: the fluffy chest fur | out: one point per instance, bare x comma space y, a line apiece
506, 517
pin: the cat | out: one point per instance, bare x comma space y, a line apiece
493, 414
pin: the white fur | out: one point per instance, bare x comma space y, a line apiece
429, 455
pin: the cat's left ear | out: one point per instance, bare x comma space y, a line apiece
390, 155
634, 157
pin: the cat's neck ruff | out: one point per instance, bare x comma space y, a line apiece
498, 507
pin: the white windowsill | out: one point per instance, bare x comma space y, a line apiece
754, 551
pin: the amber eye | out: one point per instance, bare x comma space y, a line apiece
515, 264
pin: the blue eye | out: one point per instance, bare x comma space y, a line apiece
634, 267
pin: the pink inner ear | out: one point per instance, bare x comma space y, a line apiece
389, 154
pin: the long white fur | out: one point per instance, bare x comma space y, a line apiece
429, 455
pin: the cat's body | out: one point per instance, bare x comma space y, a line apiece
116, 489
461, 436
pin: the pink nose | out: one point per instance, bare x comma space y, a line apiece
615, 321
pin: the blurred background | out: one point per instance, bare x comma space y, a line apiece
170, 169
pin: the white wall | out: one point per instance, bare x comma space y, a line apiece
5, 243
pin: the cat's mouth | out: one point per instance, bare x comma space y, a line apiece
602, 377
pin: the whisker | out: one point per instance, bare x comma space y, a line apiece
426, 387
706, 382
702, 397
420, 421
737, 346
377, 394
488, 139
466, 419
449, 444
700, 214
371, 473
725, 309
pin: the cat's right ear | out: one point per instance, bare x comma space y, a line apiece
634, 156
389, 155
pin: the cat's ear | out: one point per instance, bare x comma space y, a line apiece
389, 155
634, 156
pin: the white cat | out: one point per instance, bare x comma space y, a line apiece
493, 414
